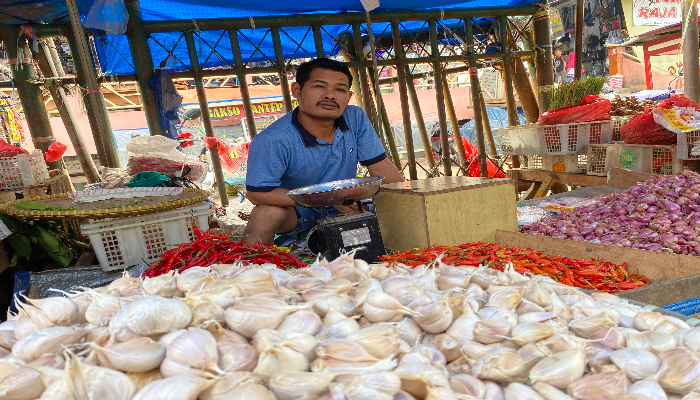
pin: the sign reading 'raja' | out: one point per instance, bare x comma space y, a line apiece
657, 12
236, 111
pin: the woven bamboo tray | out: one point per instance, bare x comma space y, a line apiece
111, 208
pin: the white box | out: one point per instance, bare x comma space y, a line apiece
23, 170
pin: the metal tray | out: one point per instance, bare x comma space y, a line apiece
336, 193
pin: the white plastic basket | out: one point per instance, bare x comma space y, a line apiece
689, 145
562, 139
618, 123
23, 170
651, 159
124, 242
574, 163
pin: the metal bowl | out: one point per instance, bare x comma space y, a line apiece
336, 193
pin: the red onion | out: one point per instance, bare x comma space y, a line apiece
661, 214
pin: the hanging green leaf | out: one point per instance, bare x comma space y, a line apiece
21, 244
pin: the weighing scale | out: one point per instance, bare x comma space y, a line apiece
347, 231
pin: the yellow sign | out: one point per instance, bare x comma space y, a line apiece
237, 111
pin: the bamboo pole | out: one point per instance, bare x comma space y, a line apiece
403, 97
143, 65
281, 68
318, 41
95, 106
356, 87
578, 51
427, 144
543, 57
48, 69
242, 83
449, 104
206, 118
390, 142
364, 85
440, 97
476, 97
488, 133
689, 22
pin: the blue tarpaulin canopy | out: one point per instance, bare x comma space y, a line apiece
115, 57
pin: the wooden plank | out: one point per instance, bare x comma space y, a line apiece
442, 184
472, 215
532, 191
401, 220
625, 179
658, 267
664, 293
566, 178
546, 185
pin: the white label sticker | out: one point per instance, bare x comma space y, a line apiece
355, 237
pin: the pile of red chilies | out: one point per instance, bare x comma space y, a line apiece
598, 275
210, 249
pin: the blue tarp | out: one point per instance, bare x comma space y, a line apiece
498, 118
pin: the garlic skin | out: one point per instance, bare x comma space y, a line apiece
469, 385
529, 332
499, 365
434, 317
381, 340
253, 314
23, 384
49, 340
163, 285
409, 331
207, 311
382, 307
679, 372
103, 307
649, 388
638, 364
379, 385
342, 356
136, 355
518, 391
295, 385
302, 321
237, 386
559, 369
180, 353
153, 315
549, 392
601, 386
185, 387
488, 331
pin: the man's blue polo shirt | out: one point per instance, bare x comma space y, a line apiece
285, 155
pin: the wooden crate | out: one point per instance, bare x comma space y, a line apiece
658, 267
447, 210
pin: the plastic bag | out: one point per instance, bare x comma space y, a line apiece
592, 108
8, 150
160, 154
108, 15
55, 151
643, 129
472, 153
233, 157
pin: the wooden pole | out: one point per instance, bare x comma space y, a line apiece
453, 122
523, 86
242, 83
364, 80
488, 133
427, 144
578, 51
206, 118
543, 57
29, 94
48, 69
143, 66
281, 68
84, 66
476, 97
390, 142
356, 88
440, 97
403, 97
691, 77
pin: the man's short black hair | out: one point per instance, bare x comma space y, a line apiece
305, 69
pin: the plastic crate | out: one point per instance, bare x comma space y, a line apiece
688, 307
650, 159
575, 163
689, 145
124, 242
23, 170
563, 139
618, 123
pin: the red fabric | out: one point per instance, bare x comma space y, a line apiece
592, 108
55, 152
471, 152
642, 129
8, 150
572, 62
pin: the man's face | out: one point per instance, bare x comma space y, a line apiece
325, 95
557, 53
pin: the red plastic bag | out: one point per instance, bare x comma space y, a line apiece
470, 153
8, 150
592, 108
55, 151
232, 156
642, 129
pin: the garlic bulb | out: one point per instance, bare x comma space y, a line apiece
82, 381
448, 346
452, 277
253, 314
402, 288
127, 286
302, 321
549, 392
52, 311
206, 311
179, 353
508, 298
380, 340
584, 327
532, 353
379, 385
647, 320
559, 369
601, 386
235, 355
649, 388
282, 353
136, 355
295, 385
363, 289
609, 337
409, 331
49, 340
469, 385
529, 332
680, 371
185, 387
638, 364
343, 356
382, 307
23, 384
489, 331
518, 391
103, 307
163, 285
499, 365
434, 317
254, 281
152, 315
237, 386
141, 379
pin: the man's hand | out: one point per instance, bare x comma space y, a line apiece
386, 169
276, 197
350, 208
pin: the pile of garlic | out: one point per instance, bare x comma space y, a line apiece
344, 330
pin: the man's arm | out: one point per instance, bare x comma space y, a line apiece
276, 197
386, 169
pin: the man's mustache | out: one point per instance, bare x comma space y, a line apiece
328, 102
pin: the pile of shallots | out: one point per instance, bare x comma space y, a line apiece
344, 330
661, 214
